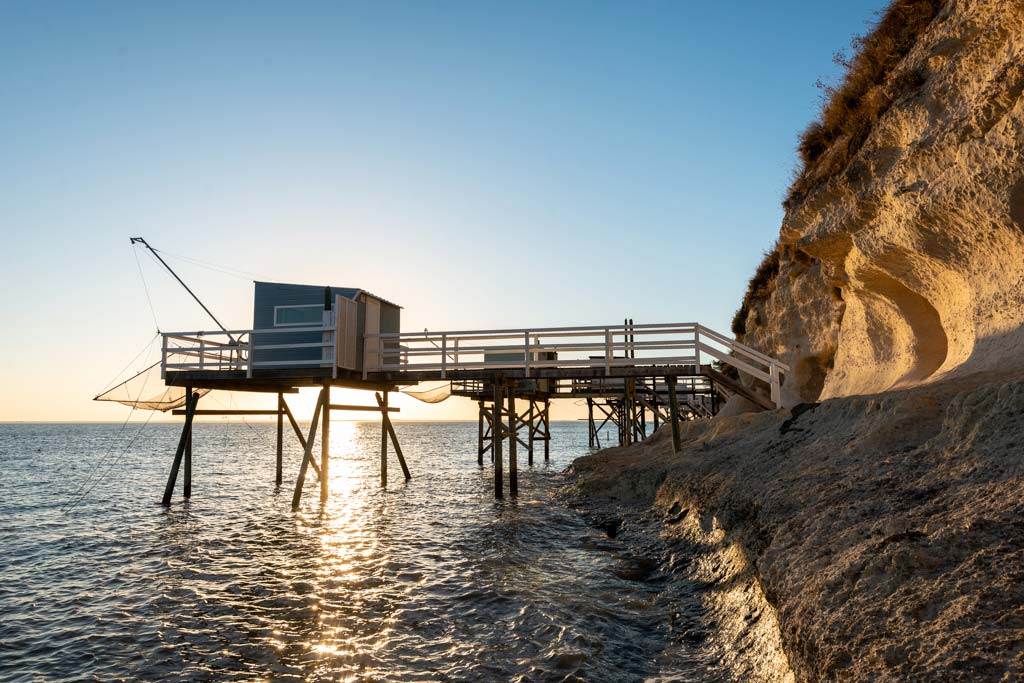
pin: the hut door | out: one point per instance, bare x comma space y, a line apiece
346, 334
373, 345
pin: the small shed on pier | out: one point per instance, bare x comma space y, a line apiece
355, 312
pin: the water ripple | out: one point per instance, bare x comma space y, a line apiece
430, 581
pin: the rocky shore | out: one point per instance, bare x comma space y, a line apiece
867, 538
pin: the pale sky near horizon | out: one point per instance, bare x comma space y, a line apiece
482, 164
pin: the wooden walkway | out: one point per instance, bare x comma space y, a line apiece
672, 372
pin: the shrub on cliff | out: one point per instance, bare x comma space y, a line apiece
851, 108
758, 289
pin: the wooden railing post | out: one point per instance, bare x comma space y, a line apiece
696, 347
444, 356
252, 349
773, 373
607, 351
526, 353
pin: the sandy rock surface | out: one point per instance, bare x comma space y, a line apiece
908, 265
872, 538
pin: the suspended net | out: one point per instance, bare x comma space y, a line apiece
433, 395
146, 391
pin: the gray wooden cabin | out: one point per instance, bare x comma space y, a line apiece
279, 305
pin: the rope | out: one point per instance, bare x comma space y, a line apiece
145, 288
90, 482
147, 347
226, 270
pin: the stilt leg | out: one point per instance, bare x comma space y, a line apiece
280, 440
496, 438
480, 435
384, 442
547, 430
530, 430
325, 442
307, 453
673, 407
590, 422
190, 410
186, 484
394, 437
513, 466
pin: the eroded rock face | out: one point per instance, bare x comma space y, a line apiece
878, 538
909, 264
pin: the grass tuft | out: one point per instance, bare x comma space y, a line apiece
850, 109
758, 289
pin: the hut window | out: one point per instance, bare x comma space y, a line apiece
298, 315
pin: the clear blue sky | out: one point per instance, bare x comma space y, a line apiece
483, 164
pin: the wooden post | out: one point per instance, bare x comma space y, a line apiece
547, 430
394, 437
496, 437
513, 467
325, 441
190, 411
384, 442
673, 407
530, 430
307, 453
655, 399
280, 440
186, 484
298, 434
590, 422
480, 435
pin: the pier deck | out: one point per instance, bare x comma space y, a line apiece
672, 372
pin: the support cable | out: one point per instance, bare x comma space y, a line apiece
145, 288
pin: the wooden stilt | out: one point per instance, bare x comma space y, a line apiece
547, 430
298, 434
394, 437
642, 410
590, 422
279, 473
384, 442
480, 435
186, 484
513, 466
655, 400
190, 409
496, 438
325, 441
307, 453
673, 407
530, 430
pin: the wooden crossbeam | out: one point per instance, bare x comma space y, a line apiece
180, 411
394, 437
373, 409
298, 432
307, 455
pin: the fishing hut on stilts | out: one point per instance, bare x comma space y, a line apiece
326, 337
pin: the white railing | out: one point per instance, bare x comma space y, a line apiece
600, 346
239, 350
607, 347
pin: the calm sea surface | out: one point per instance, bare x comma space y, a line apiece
432, 580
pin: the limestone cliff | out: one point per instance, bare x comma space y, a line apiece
901, 254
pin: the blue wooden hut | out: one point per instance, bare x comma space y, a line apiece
356, 312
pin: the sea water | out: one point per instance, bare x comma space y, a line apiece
430, 580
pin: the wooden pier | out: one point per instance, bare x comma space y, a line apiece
625, 373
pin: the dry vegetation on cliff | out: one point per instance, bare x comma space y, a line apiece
864, 94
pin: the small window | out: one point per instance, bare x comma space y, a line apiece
285, 316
